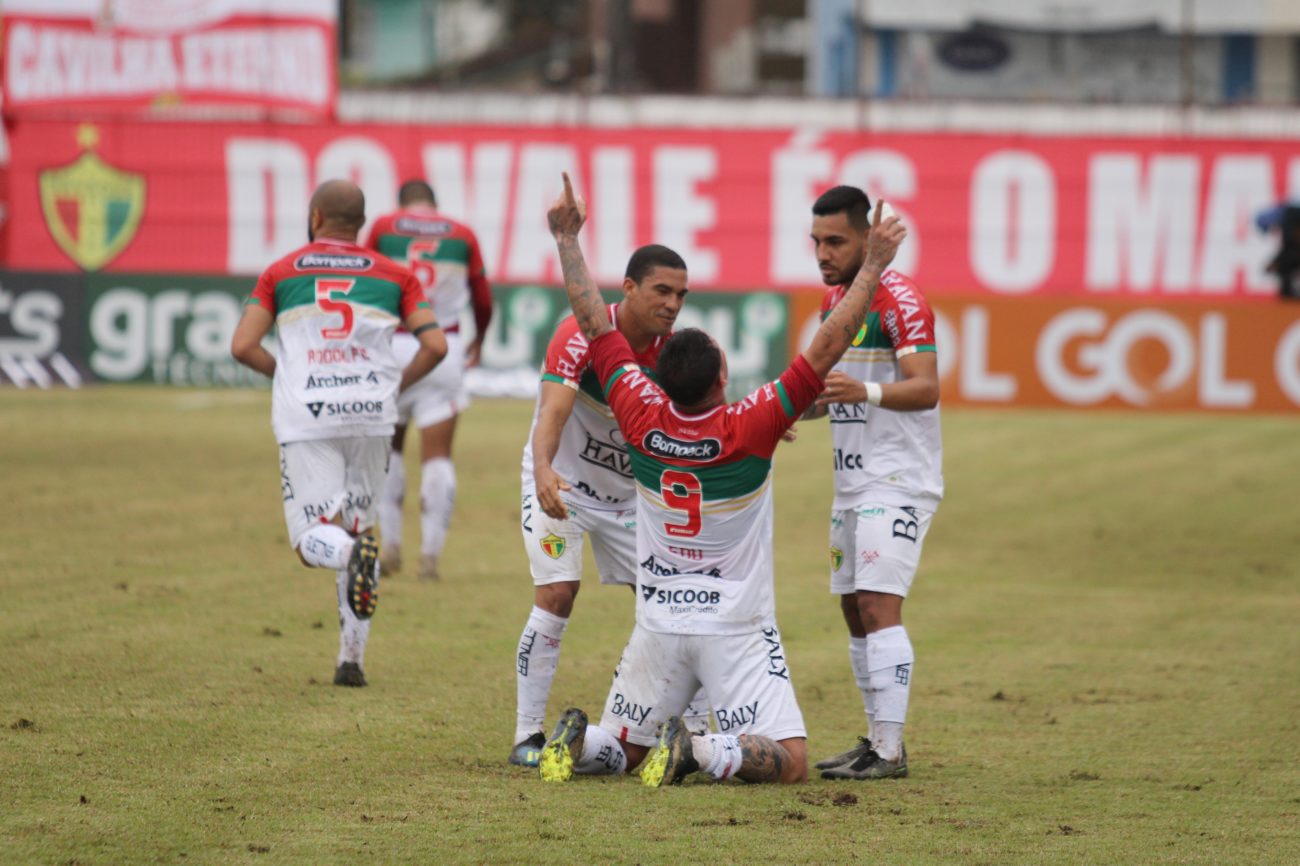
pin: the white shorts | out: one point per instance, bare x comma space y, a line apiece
324, 478
441, 394
876, 548
744, 675
555, 546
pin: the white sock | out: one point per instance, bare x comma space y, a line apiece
861, 674
437, 499
390, 502
326, 545
719, 755
353, 632
602, 754
696, 714
535, 662
890, 655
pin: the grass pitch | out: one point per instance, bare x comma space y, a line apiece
1105, 626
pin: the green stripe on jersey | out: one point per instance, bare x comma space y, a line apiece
785, 399
717, 482
300, 291
871, 335
448, 249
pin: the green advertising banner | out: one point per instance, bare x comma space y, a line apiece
165, 330
177, 330
752, 329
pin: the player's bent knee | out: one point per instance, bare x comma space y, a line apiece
795, 769
557, 598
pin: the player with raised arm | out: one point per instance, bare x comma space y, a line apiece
882, 399
577, 482
705, 603
334, 389
444, 256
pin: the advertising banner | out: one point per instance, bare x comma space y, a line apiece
124, 55
1108, 354
998, 216
42, 329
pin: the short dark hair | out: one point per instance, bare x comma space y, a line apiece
415, 191
649, 257
848, 200
688, 366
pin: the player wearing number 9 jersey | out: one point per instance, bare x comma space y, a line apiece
334, 392
705, 607
444, 256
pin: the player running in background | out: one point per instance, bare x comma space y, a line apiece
444, 256
882, 399
706, 610
577, 480
334, 392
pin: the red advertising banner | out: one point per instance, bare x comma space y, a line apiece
990, 215
124, 55
1108, 354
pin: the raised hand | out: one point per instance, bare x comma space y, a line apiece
887, 233
568, 213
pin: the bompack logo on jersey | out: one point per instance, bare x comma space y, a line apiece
409, 225
682, 601
350, 408
335, 381
659, 569
661, 444
848, 413
729, 719
333, 262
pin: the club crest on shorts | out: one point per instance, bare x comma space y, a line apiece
91, 208
837, 558
553, 546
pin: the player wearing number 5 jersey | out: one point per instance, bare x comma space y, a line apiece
334, 392
706, 613
444, 256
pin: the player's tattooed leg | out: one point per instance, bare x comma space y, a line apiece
762, 759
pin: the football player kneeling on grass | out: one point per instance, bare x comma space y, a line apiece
705, 606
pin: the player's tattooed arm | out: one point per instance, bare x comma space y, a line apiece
762, 759
565, 218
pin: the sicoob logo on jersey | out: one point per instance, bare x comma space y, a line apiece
333, 262
363, 408
683, 600
660, 443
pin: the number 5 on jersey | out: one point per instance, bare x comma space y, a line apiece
325, 289
681, 492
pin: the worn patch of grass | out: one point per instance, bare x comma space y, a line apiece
1105, 626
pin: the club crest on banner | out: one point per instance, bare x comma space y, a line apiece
92, 210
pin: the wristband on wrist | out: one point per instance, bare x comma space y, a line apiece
874, 392
427, 326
